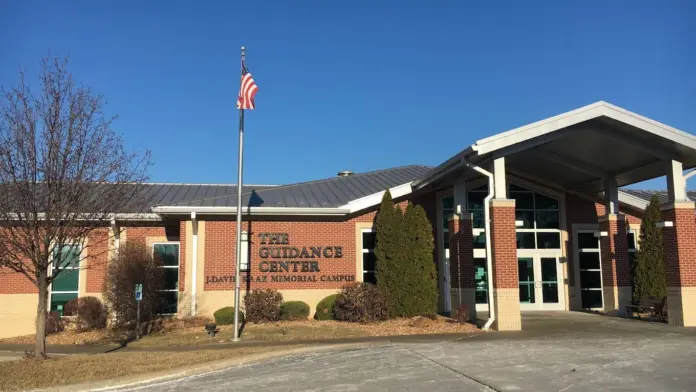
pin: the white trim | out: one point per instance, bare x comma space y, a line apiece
50, 273
363, 251
178, 268
564, 120
578, 228
304, 211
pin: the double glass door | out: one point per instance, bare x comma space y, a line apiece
541, 281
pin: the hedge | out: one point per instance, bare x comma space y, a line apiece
325, 308
294, 310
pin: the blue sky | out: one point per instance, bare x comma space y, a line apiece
359, 85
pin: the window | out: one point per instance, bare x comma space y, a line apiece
480, 280
368, 256
65, 287
589, 265
475, 198
540, 217
632, 247
168, 254
244, 265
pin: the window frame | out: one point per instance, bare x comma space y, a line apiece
535, 230
364, 251
53, 265
178, 268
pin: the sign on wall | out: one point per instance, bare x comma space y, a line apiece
287, 263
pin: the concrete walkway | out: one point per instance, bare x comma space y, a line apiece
556, 352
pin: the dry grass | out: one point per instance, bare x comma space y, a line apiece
73, 369
306, 330
188, 332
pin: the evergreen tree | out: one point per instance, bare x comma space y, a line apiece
389, 252
418, 273
648, 267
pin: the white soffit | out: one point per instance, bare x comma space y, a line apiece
561, 121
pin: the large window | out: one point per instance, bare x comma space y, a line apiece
368, 253
368, 256
65, 287
589, 264
540, 218
475, 198
168, 254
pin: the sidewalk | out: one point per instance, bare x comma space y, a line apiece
100, 349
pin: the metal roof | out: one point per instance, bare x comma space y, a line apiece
661, 194
153, 194
327, 193
577, 150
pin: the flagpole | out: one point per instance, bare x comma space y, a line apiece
239, 219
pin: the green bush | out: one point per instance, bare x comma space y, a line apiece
361, 303
263, 306
325, 308
294, 310
225, 316
404, 259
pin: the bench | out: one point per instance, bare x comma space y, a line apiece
655, 306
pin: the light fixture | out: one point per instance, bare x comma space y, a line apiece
665, 224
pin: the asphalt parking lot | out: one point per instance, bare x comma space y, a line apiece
555, 352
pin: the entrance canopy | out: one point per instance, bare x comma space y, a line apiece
579, 149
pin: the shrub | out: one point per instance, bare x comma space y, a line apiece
361, 302
263, 305
225, 316
404, 259
463, 315
648, 268
325, 308
294, 310
90, 313
133, 264
54, 323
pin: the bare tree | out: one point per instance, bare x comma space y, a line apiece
64, 173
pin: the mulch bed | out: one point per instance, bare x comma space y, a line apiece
395, 327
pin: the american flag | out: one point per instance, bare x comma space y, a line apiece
247, 91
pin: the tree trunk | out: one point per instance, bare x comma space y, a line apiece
41, 312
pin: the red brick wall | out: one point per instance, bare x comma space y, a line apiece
615, 263
462, 272
15, 283
680, 247
582, 211
97, 257
504, 248
220, 253
220, 249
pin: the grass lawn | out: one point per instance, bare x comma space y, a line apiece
73, 369
310, 330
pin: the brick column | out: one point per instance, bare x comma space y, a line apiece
616, 267
680, 262
461, 247
506, 289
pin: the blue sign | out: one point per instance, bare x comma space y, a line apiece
138, 292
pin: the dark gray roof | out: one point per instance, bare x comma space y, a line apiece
327, 193
647, 194
154, 194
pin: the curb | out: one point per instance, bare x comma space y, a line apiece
196, 370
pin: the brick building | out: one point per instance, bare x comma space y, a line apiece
541, 206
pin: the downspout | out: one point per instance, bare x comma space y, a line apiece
194, 262
487, 227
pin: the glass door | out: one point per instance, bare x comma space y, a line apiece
540, 282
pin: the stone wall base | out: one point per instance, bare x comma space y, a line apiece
681, 306
616, 299
507, 310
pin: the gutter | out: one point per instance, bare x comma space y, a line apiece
194, 262
487, 228
258, 211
